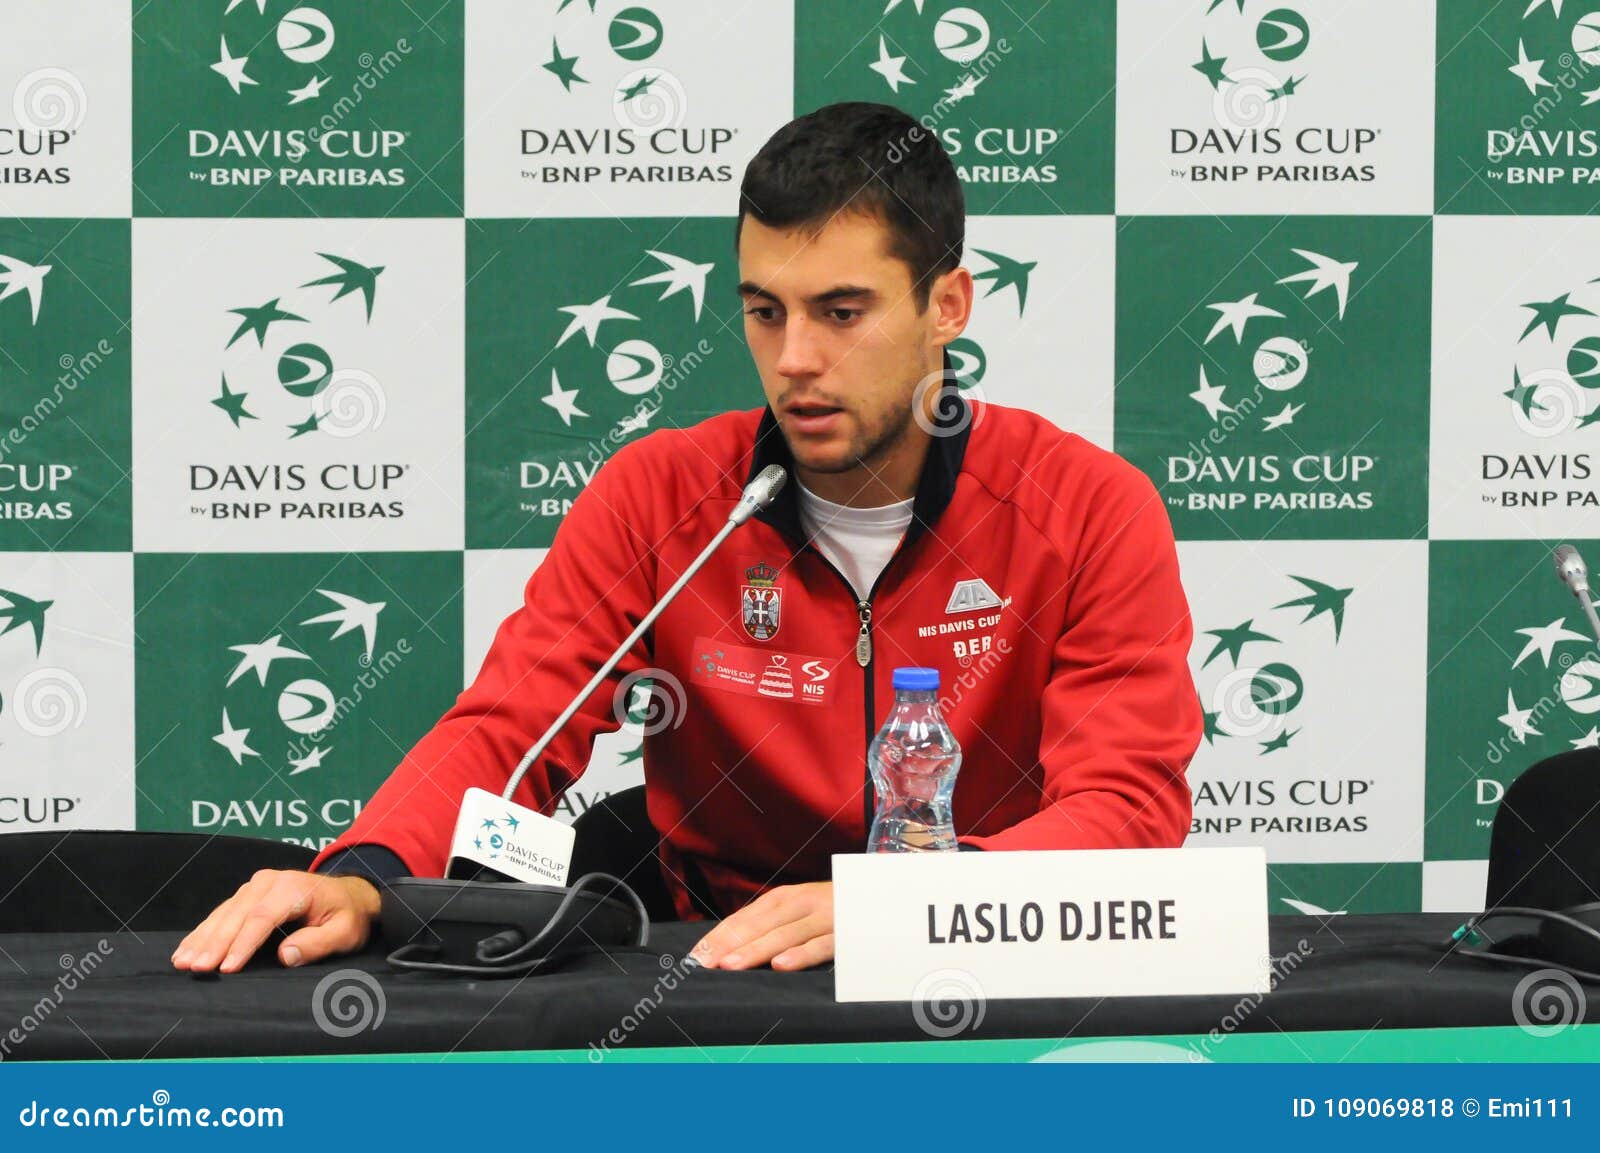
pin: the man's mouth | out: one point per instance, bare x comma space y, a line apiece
812, 417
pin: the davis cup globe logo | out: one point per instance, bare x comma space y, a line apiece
1555, 375
1254, 63
1558, 50
286, 678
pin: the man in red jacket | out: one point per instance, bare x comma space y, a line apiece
1034, 570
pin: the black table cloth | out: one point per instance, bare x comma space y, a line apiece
1353, 972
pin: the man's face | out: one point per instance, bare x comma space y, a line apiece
837, 338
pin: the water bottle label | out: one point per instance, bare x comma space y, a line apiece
754, 672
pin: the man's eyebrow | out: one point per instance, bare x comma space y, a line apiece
839, 292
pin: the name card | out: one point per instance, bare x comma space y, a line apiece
1078, 923
514, 841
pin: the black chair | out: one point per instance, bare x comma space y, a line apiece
1544, 848
614, 835
69, 880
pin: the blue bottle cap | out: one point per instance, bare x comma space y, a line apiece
916, 680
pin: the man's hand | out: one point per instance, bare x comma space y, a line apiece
338, 913
791, 926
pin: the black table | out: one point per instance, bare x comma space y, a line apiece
1353, 973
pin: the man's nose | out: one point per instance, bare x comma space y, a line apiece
802, 349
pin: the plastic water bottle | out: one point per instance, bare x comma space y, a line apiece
914, 761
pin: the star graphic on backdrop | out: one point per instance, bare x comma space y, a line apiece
563, 400
1530, 72
680, 275
258, 320
512, 822
1211, 67
637, 88
587, 318
351, 277
232, 403
564, 4
1589, 740
1555, 6
1522, 394
1544, 641
968, 86
1323, 598
312, 760
1007, 273
564, 68
631, 755
892, 68
258, 658
1517, 720
353, 613
1325, 273
1215, 4
893, 4
1591, 97
309, 91
1210, 396
488, 823
1590, 417
1232, 641
231, 68
1212, 728
234, 740
1278, 420
1281, 741
309, 424
20, 276
1235, 314
261, 6
1290, 87
23, 612
1549, 314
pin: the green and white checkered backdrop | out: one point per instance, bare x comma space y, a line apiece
315, 318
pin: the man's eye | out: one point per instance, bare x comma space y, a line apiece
844, 315
761, 313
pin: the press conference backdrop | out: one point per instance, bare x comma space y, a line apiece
314, 319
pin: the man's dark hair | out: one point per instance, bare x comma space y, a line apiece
861, 157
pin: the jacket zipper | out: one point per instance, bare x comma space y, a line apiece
864, 658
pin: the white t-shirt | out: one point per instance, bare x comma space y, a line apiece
858, 541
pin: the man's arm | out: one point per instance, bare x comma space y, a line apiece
595, 585
1121, 718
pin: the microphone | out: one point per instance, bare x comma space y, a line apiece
504, 907
1575, 575
758, 494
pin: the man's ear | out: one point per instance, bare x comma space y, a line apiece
950, 303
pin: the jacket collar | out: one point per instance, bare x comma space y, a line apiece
947, 448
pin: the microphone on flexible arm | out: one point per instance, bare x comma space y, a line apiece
513, 925
1575, 575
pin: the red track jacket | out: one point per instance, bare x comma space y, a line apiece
1038, 575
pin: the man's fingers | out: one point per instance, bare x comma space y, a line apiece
767, 946
817, 951
203, 947
749, 923
344, 932
287, 900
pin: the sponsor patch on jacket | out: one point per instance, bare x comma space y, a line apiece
753, 672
